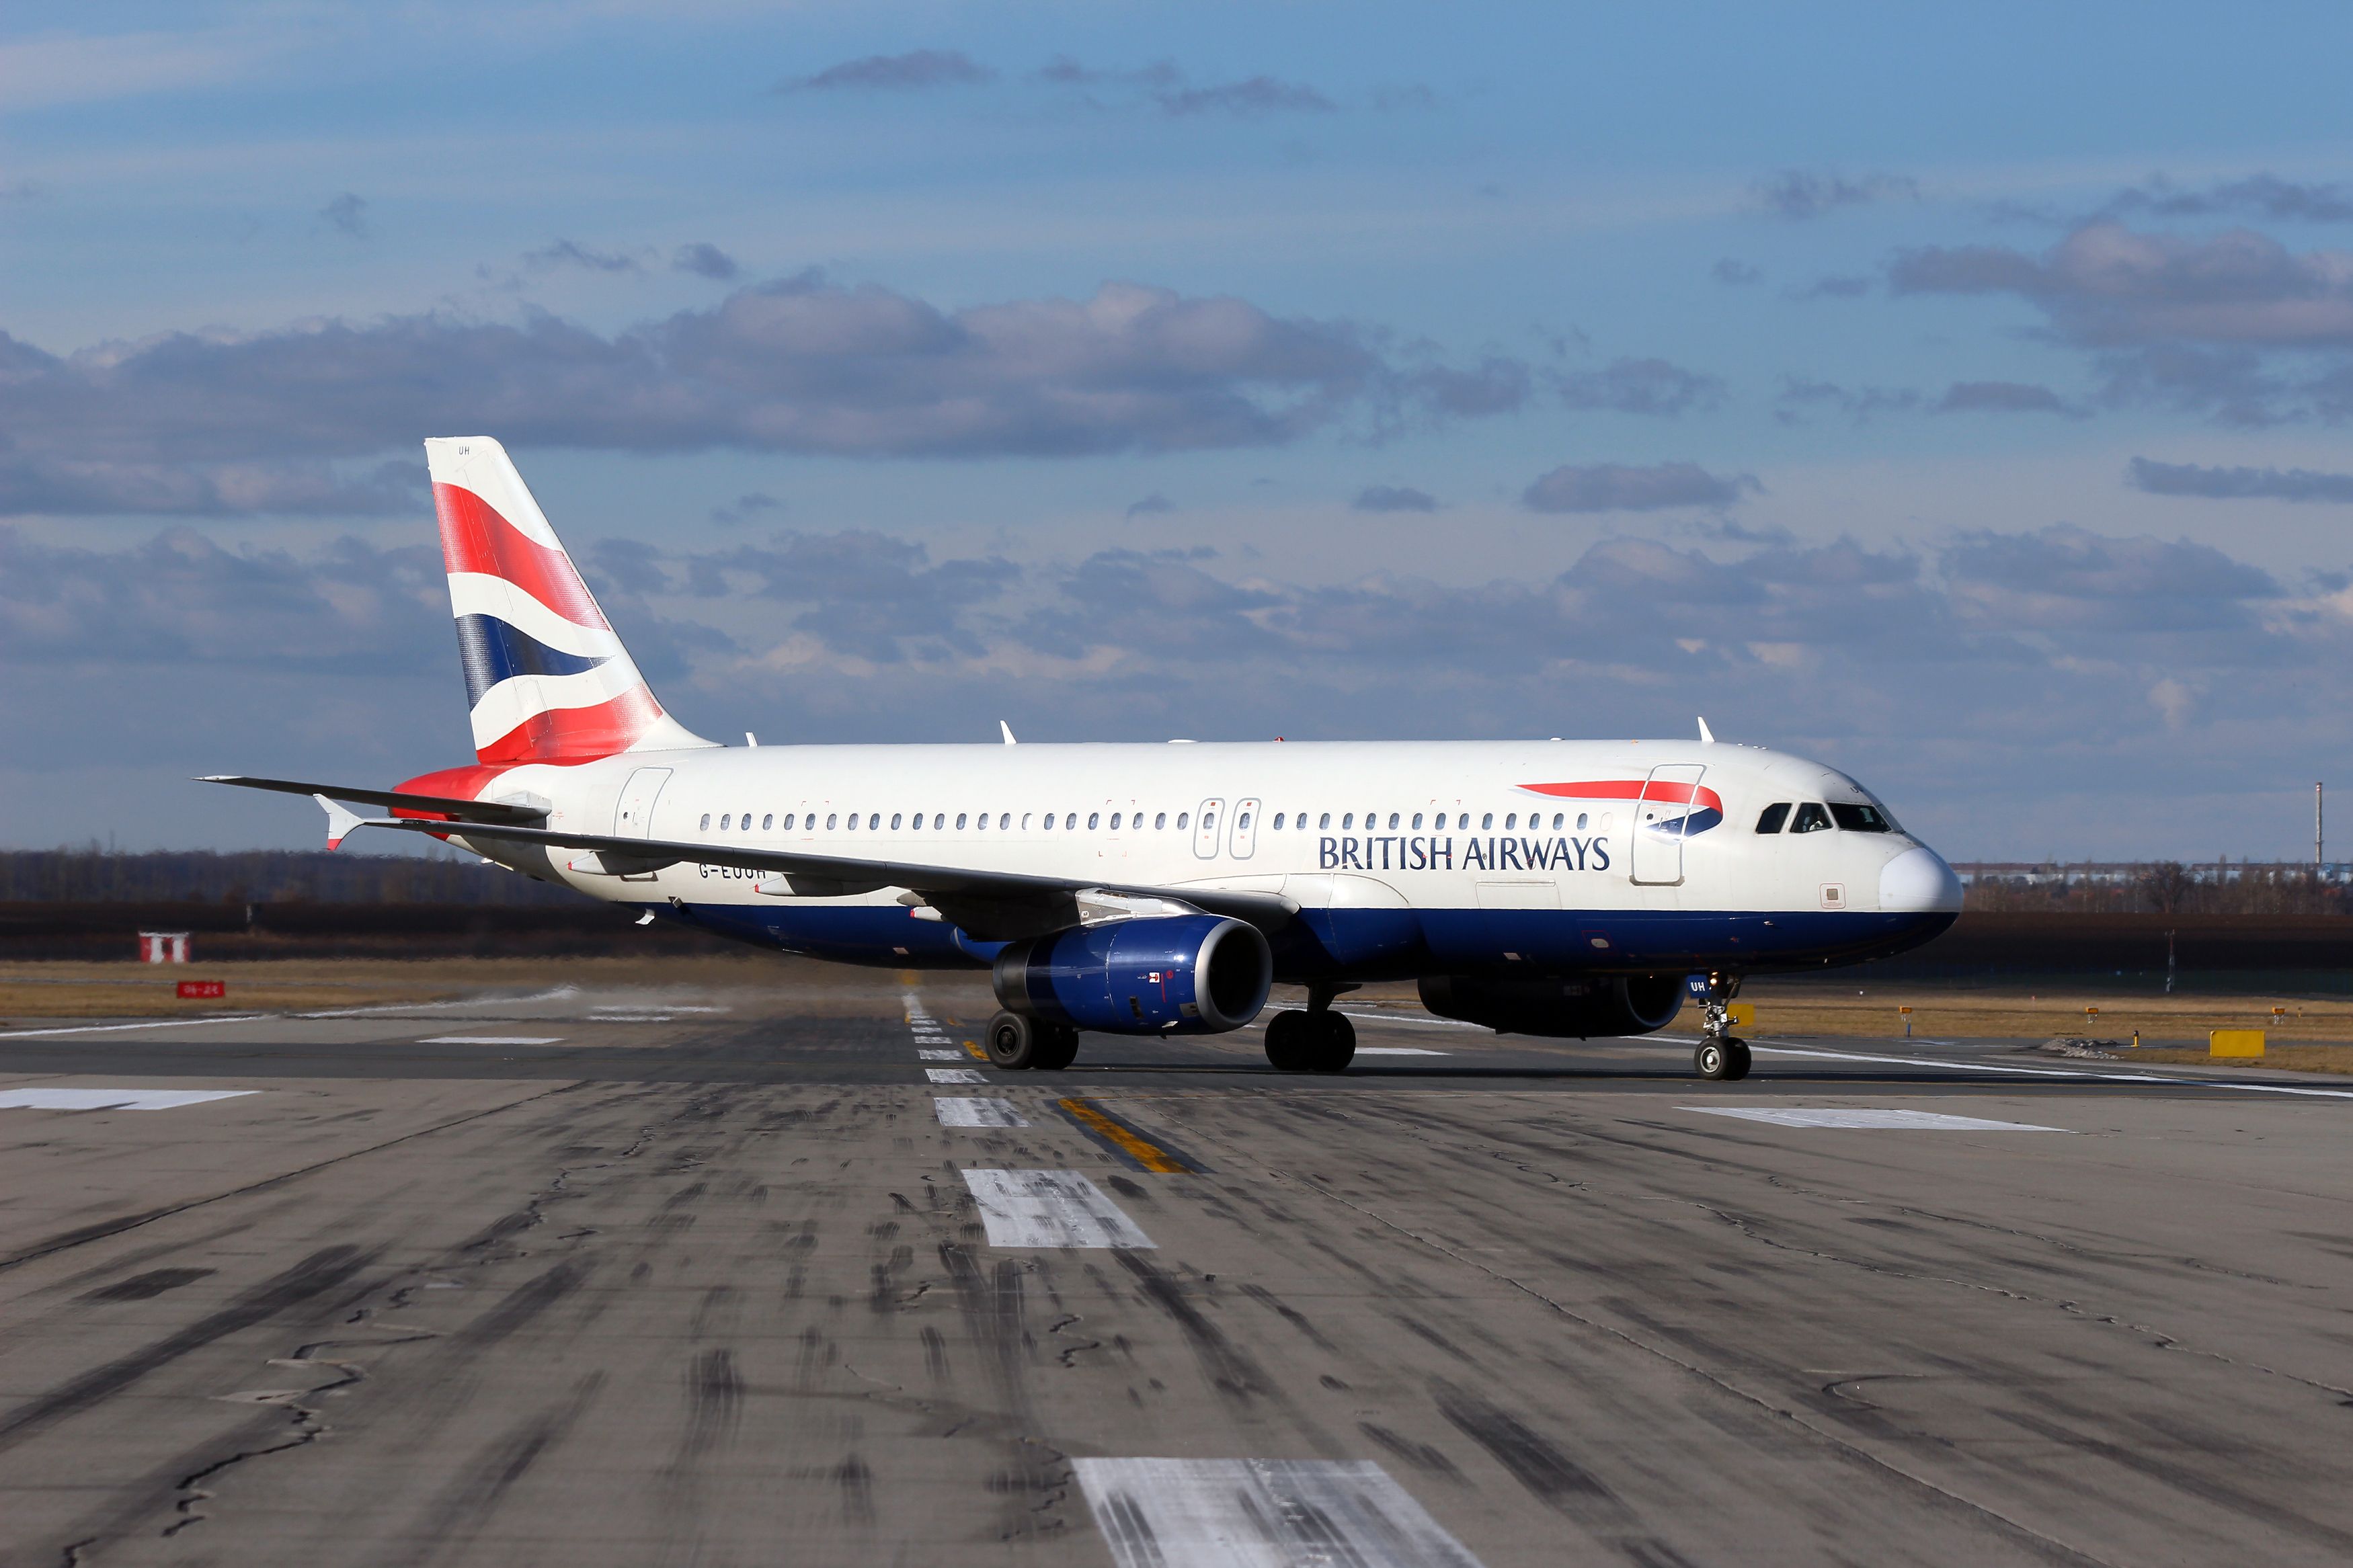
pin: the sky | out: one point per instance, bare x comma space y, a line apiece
1959, 397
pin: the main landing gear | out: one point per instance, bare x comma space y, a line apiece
1720, 1055
1016, 1042
1316, 1040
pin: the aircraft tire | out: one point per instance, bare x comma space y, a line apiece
1712, 1061
1058, 1047
1335, 1041
1738, 1050
1013, 1042
1289, 1045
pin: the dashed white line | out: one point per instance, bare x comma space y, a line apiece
2090, 1076
1050, 1208
1869, 1118
1261, 1513
111, 1099
952, 1075
977, 1113
493, 1040
1399, 1051
940, 1056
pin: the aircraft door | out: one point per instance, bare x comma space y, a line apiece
1660, 818
1205, 829
1245, 834
634, 816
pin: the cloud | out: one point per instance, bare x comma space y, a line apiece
572, 253
2239, 484
1393, 498
913, 71
2000, 397
347, 213
1150, 506
1799, 194
2106, 285
2067, 579
1736, 273
2261, 195
66, 487
801, 365
1639, 387
1616, 486
745, 508
704, 259
1253, 96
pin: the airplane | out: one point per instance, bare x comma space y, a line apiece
1562, 888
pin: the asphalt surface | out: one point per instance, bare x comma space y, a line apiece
640, 1279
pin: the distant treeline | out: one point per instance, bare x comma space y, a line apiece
2164, 888
263, 876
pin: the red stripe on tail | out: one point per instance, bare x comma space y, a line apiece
475, 538
577, 734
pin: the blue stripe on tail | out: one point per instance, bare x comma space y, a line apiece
492, 650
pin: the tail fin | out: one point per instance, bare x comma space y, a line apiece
546, 679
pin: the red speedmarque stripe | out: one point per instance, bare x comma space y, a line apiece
476, 538
577, 734
1632, 789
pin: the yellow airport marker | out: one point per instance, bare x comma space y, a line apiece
2234, 1042
971, 1049
1151, 1156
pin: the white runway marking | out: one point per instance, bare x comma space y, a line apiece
1050, 1208
1397, 1051
493, 1040
157, 1024
939, 1055
952, 1075
1412, 1020
2094, 1075
1867, 1117
111, 1099
1261, 1513
979, 1113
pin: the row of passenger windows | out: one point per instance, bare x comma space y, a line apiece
850, 822
1813, 816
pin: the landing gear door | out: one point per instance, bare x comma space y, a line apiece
1661, 818
1245, 834
1206, 826
633, 817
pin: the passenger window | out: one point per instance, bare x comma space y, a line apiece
980, 823
852, 824
915, 823
1241, 823
1512, 821
1326, 821
1771, 819
1278, 821
829, 820
1393, 819
723, 822
1183, 817
1160, 819
1349, 820
706, 822
789, 821
1416, 821
959, 821
1093, 818
1049, 822
1580, 822
1811, 818
1488, 820
1859, 818
1004, 820
894, 822
745, 821
1114, 822
940, 820
767, 821
874, 822
1208, 820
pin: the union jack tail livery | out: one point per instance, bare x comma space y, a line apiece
546, 679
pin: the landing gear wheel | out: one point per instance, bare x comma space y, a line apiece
1713, 1061
1738, 1051
1291, 1041
1335, 1041
1058, 1047
1013, 1041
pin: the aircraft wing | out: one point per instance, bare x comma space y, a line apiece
448, 806
993, 906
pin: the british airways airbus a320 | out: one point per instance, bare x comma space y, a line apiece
1560, 888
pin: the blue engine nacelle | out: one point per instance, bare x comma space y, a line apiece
1185, 974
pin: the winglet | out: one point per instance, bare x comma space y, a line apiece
339, 822
1707, 736
1008, 730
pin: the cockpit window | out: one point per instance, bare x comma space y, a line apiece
1861, 818
1773, 816
1812, 818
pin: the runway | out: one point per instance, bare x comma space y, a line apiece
737, 1276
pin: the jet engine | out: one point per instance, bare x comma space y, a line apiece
1602, 1004
1179, 974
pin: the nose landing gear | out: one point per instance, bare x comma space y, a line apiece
1720, 1055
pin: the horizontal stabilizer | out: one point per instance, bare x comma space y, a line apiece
483, 811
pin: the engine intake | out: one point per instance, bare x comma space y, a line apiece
1183, 974
1582, 1009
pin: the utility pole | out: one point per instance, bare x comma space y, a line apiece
2318, 842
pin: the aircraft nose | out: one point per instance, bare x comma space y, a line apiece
1918, 881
